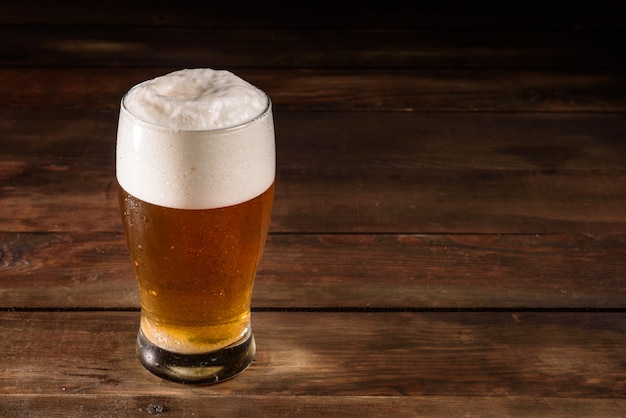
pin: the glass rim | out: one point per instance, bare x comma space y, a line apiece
154, 126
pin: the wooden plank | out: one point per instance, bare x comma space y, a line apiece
443, 201
442, 14
93, 270
187, 405
425, 202
434, 271
97, 274
241, 15
556, 355
410, 90
72, 46
456, 173
307, 142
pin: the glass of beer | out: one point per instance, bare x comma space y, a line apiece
195, 165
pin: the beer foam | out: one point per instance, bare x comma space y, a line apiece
199, 98
195, 139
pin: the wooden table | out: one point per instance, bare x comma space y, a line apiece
448, 236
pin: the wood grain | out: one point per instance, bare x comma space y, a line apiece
448, 233
342, 90
215, 405
392, 355
440, 15
308, 142
449, 172
434, 202
401, 48
93, 270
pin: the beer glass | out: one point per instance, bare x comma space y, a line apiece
196, 207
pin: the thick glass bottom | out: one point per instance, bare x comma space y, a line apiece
207, 368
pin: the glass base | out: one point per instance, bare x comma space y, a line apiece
213, 367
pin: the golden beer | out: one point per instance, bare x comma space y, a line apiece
196, 269
195, 165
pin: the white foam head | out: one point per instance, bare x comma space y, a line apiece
195, 139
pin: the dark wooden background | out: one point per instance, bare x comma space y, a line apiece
448, 236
